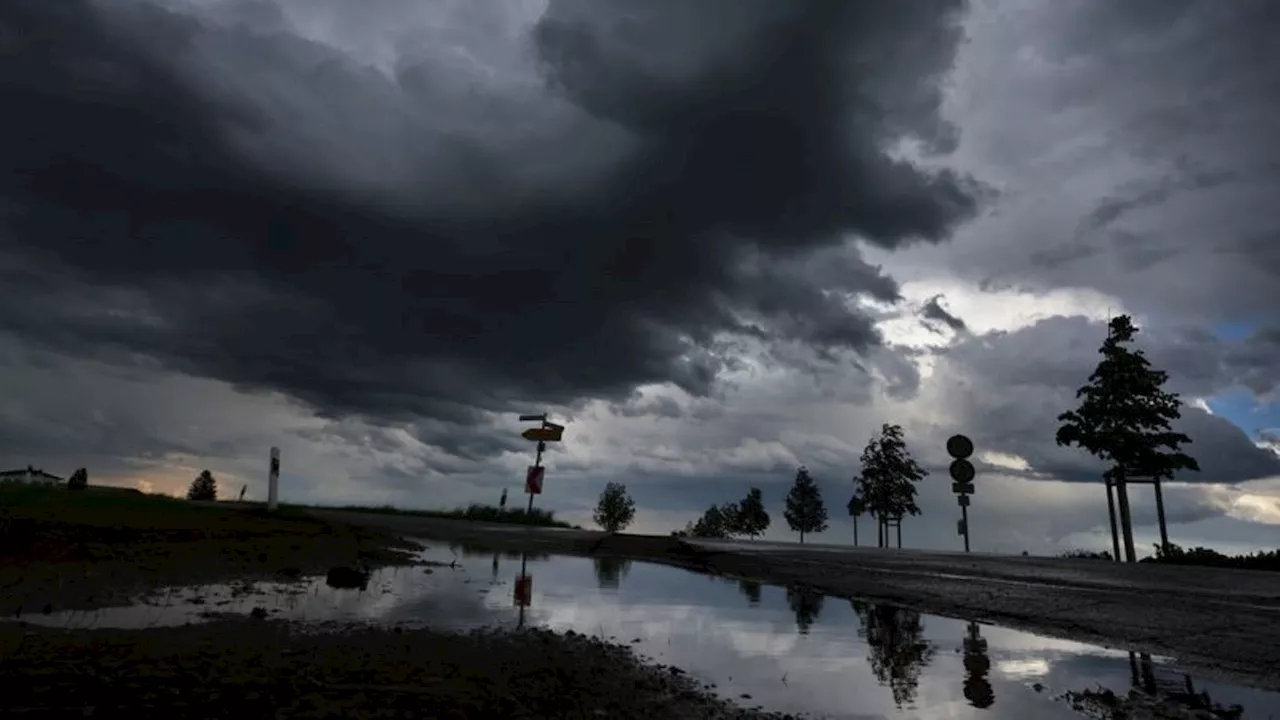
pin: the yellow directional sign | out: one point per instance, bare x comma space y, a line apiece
544, 434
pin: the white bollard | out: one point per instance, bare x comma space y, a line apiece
273, 480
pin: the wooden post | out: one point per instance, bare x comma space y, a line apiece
1111, 515
1164, 529
1126, 520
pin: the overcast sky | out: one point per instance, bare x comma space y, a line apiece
716, 240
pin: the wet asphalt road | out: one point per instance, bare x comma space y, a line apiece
1224, 623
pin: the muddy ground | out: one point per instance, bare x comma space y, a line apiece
252, 668
80, 560
83, 553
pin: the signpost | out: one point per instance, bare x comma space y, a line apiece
546, 432
533, 480
960, 448
524, 588
543, 434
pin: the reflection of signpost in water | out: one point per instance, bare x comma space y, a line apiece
962, 473
547, 432
977, 688
524, 589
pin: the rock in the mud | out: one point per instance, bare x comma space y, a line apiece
347, 578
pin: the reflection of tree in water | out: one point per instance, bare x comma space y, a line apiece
977, 689
897, 650
751, 590
1153, 695
468, 550
806, 604
610, 571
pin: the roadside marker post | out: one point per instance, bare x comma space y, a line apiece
962, 472
546, 432
273, 481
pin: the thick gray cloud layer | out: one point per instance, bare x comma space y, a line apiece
239, 202
1009, 388
418, 216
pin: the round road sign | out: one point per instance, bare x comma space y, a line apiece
962, 471
959, 447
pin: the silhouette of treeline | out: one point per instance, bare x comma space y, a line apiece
1203, 556
1176, 555
474, 512
469, 550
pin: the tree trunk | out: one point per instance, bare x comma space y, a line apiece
801, 537
1126, 520
855, 531
1164, 527
1111, 515
899, 533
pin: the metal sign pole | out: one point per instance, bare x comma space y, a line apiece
962, 474
547, 431
537, 463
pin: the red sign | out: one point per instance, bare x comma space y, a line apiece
533, 480
524, 591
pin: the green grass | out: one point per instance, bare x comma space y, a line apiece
107, 507
125, 506
474, 512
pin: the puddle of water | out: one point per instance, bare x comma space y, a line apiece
782, 649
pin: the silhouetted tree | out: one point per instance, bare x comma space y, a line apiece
1125, 419
610, 571
79, 480
749, 516
616, 510
714, 523
806, 604
751, 590
204, 487
887, 484
805, 512
897, 650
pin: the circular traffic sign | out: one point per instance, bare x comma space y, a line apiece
962, 471
959, 447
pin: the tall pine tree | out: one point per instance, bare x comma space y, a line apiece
805, 512
1125, 418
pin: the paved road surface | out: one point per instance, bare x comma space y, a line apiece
1217, 622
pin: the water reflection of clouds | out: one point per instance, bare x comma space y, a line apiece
857, 660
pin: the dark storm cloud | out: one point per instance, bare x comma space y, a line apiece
934, 311
165, 196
